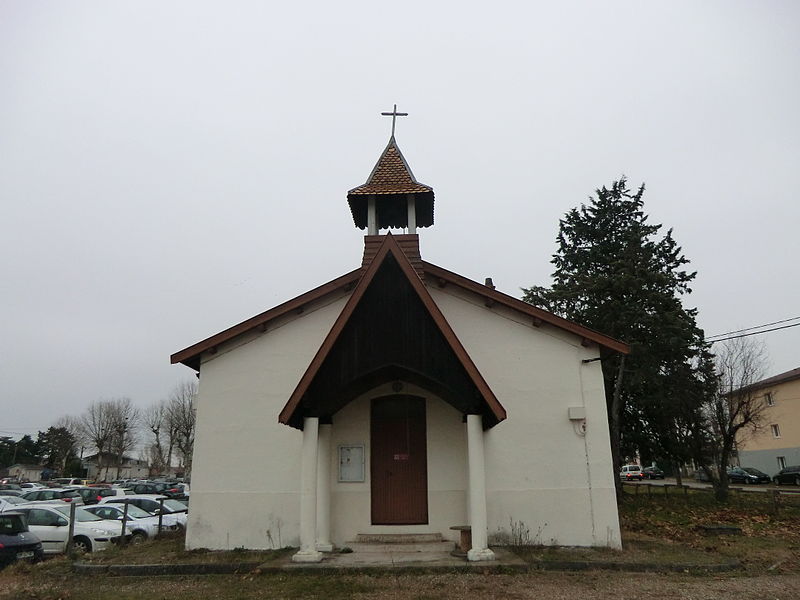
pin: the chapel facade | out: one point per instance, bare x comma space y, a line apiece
400, 397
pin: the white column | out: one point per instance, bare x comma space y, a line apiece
412, 213
372, 216
324, 490
477, 491
308, 494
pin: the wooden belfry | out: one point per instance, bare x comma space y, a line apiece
391, 196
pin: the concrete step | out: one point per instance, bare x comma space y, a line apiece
426, 548
398, 538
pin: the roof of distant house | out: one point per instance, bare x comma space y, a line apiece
776, 379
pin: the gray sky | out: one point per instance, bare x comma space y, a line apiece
169, 169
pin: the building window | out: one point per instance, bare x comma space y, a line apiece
776, 431
781, 462
769, 399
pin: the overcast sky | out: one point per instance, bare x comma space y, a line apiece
169, 169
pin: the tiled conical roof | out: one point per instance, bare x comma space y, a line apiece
391, 175
390, 182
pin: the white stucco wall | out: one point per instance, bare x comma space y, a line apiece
541, 474
246, 465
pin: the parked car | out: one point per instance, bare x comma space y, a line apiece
70, 481
9, 486
93, 495
51, 494
788, 475
630, 472
142, 523
16, 540
7, 501
653, 473
157, 487
50, 523
152, 504
29, 485
762, 477
11, 493
739, 475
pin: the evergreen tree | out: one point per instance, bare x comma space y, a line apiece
56, 446
616, 273
26, 451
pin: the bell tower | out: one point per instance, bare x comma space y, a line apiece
392, 198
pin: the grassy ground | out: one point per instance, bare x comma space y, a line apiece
655, 529
770, 541
170, 550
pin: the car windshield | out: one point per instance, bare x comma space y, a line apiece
736, 470
174, 505
14, 500
753, 471
81, 515
134, 512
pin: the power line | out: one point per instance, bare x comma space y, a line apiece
751, 328
733, 337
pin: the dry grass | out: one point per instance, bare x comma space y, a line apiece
170, 550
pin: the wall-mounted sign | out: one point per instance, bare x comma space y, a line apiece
351, 463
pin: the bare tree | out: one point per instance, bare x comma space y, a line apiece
732, 408
154, 419
97, 426
181, 418
111, 427
125, 427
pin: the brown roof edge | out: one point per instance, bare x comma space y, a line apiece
390, 246
776, 379
435, 272
191, 356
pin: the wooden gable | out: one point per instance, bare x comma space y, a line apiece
390, 329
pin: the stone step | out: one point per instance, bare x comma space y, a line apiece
398, 538
426, 548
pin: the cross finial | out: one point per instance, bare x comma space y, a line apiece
394, 114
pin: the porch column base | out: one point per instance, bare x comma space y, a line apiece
310, 556
477, 554
324, 547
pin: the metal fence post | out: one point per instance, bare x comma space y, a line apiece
124, 523
160, 514
71, 530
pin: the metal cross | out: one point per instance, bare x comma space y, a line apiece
394, 114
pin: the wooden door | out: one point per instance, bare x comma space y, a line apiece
398, 461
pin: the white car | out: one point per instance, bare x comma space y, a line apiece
50, 523
50, 494
29, 485
141, 523
152, 504
630, 472
10, 501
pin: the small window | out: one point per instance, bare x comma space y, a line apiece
769, 399
781, 462
776, 431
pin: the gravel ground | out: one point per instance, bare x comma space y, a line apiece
545, 585
590, 586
